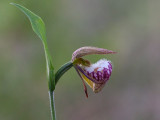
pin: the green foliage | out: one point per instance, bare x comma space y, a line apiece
38, 27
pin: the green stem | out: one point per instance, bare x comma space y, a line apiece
52, 105
64, 68
58, 74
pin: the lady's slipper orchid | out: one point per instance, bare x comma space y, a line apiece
95, 75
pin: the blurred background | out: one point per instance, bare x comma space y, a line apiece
130, 27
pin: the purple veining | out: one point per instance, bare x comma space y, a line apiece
98, 76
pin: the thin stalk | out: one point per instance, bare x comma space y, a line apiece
64, 68
52, 105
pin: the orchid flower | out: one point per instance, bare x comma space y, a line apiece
95, 75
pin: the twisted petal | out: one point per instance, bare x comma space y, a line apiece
85, 88
88, 51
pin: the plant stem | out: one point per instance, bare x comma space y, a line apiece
52, 105
64, 68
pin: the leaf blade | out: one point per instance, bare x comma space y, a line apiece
37, 23
38, 27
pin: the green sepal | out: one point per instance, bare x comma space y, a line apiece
81, 61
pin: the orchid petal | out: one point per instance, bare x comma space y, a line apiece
80, 69
84, 85
98, 87
88, 51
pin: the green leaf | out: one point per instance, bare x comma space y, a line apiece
36, 22
38, 27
